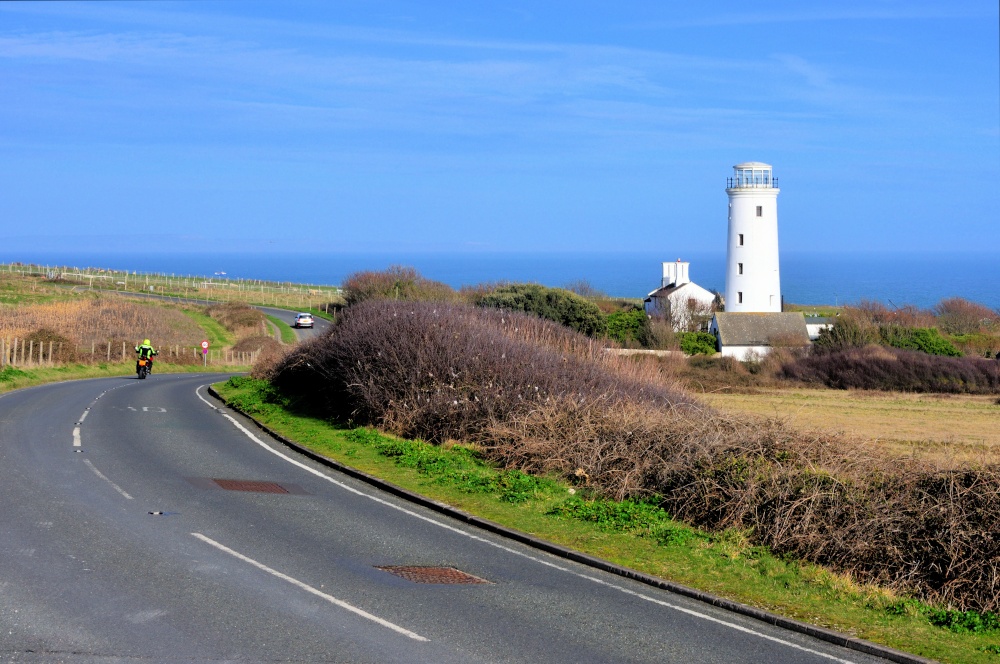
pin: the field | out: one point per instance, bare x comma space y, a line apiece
947, 429
250, 291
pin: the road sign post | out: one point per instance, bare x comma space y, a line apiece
204, 353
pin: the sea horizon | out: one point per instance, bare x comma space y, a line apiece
920, 279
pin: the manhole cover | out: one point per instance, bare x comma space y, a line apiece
419, 574
250, 485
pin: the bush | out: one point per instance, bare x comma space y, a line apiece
959, 316
698, 343
437, 371
879, 368
395, 283
924, 339
63, 349
628, 328
554, 304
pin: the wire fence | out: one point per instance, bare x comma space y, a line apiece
216, 288
27, 353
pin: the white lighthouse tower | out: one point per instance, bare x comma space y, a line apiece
752, 278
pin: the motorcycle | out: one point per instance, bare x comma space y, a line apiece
142, 368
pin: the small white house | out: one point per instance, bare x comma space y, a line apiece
742, 334
678, 299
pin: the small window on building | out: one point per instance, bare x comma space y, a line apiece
739, 296
760, 210
741, 239
741, 267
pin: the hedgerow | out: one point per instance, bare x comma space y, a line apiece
892, 369
537, 398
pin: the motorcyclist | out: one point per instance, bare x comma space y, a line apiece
146, 352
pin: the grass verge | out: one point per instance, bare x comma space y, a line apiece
634, 534
288, 335
215, 333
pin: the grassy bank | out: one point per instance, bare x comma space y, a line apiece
635, 535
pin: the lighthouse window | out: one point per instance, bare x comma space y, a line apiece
741, 267
741, 239
760, 210
740, 296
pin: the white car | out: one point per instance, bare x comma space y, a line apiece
303, 320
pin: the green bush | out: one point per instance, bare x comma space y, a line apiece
628, 327
698, 343
924, 339
555, 304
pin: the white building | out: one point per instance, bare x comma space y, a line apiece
753, 281
684, 303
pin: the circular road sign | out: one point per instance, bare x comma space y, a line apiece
204, 344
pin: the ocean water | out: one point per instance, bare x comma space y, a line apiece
921, 280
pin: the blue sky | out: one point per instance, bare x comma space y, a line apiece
503, 126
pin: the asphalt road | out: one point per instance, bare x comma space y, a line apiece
124, 537
319, 324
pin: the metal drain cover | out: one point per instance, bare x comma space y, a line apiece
421, 574
250, 485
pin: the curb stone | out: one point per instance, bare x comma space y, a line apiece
821, 633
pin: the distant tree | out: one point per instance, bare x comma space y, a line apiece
554, 304
960, 316
583, 288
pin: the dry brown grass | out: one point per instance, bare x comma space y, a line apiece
946, 429
99, 320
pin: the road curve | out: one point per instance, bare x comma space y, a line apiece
143, 522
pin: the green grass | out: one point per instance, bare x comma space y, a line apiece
215, 333
288, 335
638, 535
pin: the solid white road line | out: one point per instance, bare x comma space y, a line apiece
295, 582
103, 477
691, 612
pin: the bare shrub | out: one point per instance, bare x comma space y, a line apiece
957, 315
56, 347
395, 283
660, 335
445, 371
893, 369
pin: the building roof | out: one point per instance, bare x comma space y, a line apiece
667, 291
761, 329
